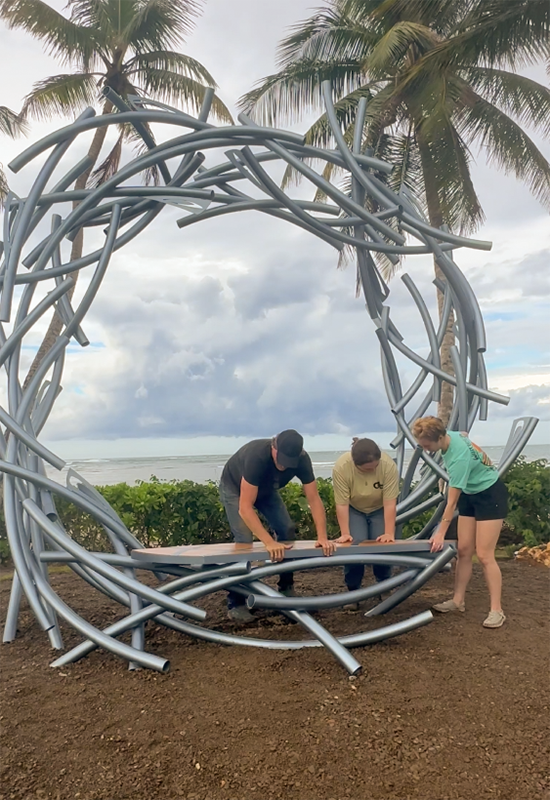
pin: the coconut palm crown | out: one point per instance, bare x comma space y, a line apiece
127, 45
440, 77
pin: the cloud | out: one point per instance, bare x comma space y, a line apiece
278, 340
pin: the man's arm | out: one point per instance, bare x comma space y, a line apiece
248, 514
390, 513
342, 515
319, 517
438, 537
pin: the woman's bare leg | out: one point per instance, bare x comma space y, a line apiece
487, 533
466, 549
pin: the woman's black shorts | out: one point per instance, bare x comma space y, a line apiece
491, 503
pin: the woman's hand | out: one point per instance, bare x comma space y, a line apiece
344, 539
386, 538
437, 539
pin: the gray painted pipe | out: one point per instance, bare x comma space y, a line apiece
443, 558
64, 541
317, 630
226, 577
86, 629
17, 552
115, 204
10, 626
24, 218
330, 601
352, 640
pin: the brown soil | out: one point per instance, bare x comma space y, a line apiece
449, 712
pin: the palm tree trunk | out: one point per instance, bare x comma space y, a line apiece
56, 324
435, 215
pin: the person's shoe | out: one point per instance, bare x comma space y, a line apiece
495, 619
449, 605
351, 607
290, 592
240, 614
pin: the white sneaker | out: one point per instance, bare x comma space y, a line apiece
495, 619
449, 605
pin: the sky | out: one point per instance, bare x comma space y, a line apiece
236, 328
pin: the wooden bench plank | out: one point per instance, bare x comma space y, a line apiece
229, 552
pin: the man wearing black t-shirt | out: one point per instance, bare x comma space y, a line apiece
250, 482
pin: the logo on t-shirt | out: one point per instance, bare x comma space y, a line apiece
378, 485
477, 452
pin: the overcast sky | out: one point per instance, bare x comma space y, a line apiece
243, 326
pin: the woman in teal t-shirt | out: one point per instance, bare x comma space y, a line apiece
482, 499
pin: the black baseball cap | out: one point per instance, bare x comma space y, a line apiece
289, 445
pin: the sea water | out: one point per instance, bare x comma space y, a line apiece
201, 469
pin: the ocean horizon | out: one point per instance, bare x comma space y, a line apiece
203, 468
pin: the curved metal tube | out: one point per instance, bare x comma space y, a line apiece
324, 602
64, 541
397, 597
351, 640
150, 612
125, 211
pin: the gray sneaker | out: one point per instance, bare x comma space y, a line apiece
351, 607
290, 592
240, 614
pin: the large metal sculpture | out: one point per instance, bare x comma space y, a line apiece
239, 182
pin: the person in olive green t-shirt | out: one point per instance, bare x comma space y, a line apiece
482, 500
366, 486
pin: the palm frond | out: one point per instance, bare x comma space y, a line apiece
97, 15
364, 12
326, 36
391, 50
152, 174
169, 87
60, 94
161, 24
500, 32
11, 123
507, 145
297, 89
450, 161
64, 39
171, 62
4, 188
109, 166
440, 15
525, 99
400, 150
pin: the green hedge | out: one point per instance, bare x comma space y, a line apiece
166, 513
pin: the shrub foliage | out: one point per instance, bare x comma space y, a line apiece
166, 513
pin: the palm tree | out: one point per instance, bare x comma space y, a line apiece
12, 125
127, 45
440, 76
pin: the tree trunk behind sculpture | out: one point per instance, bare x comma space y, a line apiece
445, 404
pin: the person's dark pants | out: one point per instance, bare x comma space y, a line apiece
362, 527
278, 518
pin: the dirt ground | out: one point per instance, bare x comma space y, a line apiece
448, 712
